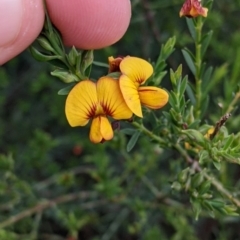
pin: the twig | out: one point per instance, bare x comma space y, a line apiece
47, 204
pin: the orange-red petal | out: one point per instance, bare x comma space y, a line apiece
111, 99
137, 69
153, 97
81, 103
114, 64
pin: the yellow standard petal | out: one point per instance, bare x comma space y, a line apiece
153, 97
137, 69
111, 99
100, 130
130, 94
81, 103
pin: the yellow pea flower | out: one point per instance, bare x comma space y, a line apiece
96, 100
192, 9
135, 72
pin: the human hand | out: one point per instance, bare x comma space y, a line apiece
21, 21
90, 24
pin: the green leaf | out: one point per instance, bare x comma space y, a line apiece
205, 41
228, 142
64, 76
166, 50
217, 165
204, 155
66, 90
40, 56
204, 187
218, 75
206, 78
173, 100
100, 64
234, 79
173, 78
204, 106
191, 94
189, 58
196, 206
191, 28
183, 86
158, 76
128, 131
133, 141
194, 135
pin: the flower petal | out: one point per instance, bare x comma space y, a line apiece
114, 64
95, 133
137, 69
111, 99
100, 130
153, 97
81, 103
106, 128
130, 94
193, 8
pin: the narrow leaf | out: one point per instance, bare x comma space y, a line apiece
133, 141
66, 90
189, 60
191, 28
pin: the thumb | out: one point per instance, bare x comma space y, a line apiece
21, 21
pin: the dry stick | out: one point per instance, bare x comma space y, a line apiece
48, 204
219, 124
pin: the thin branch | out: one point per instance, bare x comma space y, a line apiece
45, 205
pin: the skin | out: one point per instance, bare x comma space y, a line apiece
21, 21
91, 24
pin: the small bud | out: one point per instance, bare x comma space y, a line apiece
73, 55
44, 43
87, 60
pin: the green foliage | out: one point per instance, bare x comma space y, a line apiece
166, 176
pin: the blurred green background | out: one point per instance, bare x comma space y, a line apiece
101, 192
